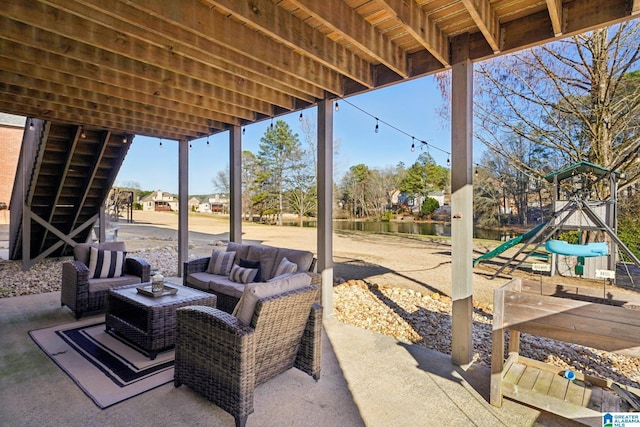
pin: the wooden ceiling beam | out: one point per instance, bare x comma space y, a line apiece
148, 60
25, 74
129, 20
487, 21
555, 14
29, 110
57, 53
423, 29
578, 16
296, 35
43, 101
340, 18
233, 35
40, 89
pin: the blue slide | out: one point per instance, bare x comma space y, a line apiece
588, 250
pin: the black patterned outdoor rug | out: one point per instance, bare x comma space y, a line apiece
106, 368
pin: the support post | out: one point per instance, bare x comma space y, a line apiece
462, 201
325, 204
183, 204
102, 224
235, 184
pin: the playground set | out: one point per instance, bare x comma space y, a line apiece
573, 210
607, 326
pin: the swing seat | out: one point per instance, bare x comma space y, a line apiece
588, 250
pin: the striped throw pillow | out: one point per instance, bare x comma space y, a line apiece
242, 275
285, 267
221, 262
103, 263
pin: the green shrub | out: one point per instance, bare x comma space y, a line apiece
387, 216
429, 206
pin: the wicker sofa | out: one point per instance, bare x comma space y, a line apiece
81, 293
229, 291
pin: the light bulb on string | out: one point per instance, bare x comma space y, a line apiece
160, 142
448, 162
476, 173
413, 145
300, 116
208, 141
190, 146
377, 127
337, 106
244, 130
271, 123
31, 124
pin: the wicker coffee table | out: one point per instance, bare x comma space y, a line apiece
150, 322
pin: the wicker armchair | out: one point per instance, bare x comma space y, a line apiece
82, 294
224, 360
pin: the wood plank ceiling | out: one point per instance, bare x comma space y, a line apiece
185, 69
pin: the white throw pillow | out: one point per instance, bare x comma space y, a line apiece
285, 267
220, 262
255, 291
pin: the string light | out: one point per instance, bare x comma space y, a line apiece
190, 146
272, 123
124, 139
300, 116
377, 128
160, 142
244, 130
31, 124
476, 173
337, 106
208, 140
413, 145
82, 134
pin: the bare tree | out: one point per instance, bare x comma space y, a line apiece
577, 98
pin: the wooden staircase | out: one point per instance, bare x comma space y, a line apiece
64, 175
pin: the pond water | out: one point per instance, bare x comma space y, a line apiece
411, 227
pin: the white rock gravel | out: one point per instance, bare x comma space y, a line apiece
403, 314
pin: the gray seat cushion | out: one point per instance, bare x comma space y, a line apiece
200, 280
96, 285
222, 284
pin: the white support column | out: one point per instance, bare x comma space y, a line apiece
102, 221
462, 202
325, 204
183, 204
235, 184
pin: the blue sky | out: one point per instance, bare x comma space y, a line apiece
410, 106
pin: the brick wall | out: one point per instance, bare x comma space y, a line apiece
10, 141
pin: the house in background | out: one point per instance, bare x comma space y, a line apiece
160, 201
217, 203
194, 204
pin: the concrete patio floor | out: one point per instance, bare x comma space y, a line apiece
367, 379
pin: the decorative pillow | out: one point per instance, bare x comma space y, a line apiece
255, 291
242, 275
220, 262
103, 263
249, 263
285, 267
